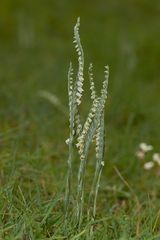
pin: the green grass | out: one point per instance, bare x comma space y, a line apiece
35, 51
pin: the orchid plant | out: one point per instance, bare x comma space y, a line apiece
82, 134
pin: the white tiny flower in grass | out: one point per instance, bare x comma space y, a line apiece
148, 165
145, 147
156, 158
140, 155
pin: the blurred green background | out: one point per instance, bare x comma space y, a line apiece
35, 50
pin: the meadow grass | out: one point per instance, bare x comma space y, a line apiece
35, 49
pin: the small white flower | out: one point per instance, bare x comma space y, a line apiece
70, 93
78, 145
140, 154
67, 141
145, 148
82, 157
78, 101
91, 115
102, 163
80, 84
148, 165
156, 158
80, 89
79, 95
81, 79
87, 125
94, 109
106, 67
79, 126
86, 128
89, 120
80, 151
